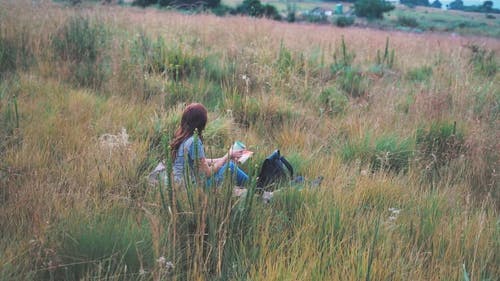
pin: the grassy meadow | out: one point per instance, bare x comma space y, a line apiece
409, 19
403, 127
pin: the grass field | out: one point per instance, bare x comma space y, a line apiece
403, 127
422, 19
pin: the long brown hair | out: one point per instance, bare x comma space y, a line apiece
193, 118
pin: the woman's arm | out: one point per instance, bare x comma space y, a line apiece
211, 161
211, 166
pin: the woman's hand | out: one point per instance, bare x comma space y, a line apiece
235, 155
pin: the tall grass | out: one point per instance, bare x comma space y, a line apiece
89, 98
80, 44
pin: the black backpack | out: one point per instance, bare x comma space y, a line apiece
274, 169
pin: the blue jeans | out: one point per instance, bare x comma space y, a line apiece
241, 176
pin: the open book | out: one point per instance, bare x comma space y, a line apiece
237, 146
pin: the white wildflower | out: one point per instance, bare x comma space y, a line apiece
394, 211
161, 260
169, 265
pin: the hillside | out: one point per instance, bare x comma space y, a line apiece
416, 19
403, 127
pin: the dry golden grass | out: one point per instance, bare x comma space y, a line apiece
57, 164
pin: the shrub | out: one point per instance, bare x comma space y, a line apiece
412, 3
255, 8
372, 9
269, 11
407, 21
81, 45
316, 18
144, 3
221, 10
344, 21
291, 12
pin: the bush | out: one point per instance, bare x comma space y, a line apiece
221, 10
412, 3
144, 3
372, 9
184, 4
291, 14
255, 8
269, 11
407, 21
315, 18
344, 21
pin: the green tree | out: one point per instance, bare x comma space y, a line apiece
488, 5
144, 3
255, 9
372, 9
437, 4
456, 5
415, 2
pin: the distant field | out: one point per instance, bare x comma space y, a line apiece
281, 5
427, 19
447, 20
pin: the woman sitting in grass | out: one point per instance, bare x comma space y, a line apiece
184, 148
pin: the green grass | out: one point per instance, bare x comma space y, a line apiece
408, 19
404, 136
430, 19
109, 244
